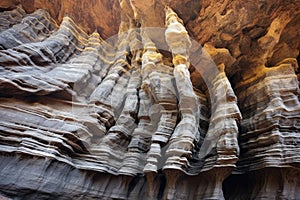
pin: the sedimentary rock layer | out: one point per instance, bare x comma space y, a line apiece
149, 112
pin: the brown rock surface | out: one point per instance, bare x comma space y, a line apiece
149, 99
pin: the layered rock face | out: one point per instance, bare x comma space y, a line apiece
152, 99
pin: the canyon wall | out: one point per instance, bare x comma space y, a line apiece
153, 99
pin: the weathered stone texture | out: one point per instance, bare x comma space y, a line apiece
149, 112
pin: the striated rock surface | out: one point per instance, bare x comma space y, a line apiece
153, 99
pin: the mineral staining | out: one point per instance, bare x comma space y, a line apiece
122, 118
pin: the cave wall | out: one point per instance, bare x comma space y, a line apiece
153, 99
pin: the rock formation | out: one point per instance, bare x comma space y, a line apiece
149, 99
